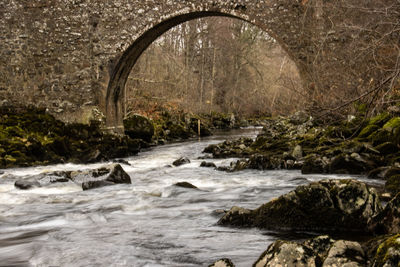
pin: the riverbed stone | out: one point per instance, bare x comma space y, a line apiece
208, 164
181, 161
26, 184
288, 254
388, 220
319, 251
222, 263
116, 175
138, 126
327, 205
237, 216
186, 185
345, 253
387, 253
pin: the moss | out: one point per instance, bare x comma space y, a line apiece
380, 119
393, 184
379, 137
392, 125
9, 159
384, 253
387, 148
368, 130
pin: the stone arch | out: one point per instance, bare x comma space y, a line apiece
125, 63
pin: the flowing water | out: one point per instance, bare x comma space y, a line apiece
148, 223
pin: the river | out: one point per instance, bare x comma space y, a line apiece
148, 223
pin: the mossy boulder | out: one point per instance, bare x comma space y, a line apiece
393, 184
314, 164
319, 251
387, 221
368, 130
350, 164
380, 119
327, 205
178, 131
287, 253
387, 251
139, 127
222, 263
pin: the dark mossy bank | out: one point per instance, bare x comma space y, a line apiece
354, 146
166, 125
30, 136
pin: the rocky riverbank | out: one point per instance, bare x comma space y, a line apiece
327, 252
165, 125
30, 137
355, 146
327, 207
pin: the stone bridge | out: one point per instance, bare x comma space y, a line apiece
74, 56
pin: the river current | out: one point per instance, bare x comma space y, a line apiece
148, 223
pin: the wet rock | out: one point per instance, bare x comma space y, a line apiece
93, 156
345, 253
1, 172
320, 251
327, 205
181, 161
100, 171
237, 216
391, 172
378, 173
25, 185
222, 263
116, 175
388, 220
387, 253
95, 184
297, 152
387, 148
320, 245
186, 185
122, 161
224, 169
314, 164
350, 164
231, 148
207, 164
289, 254
393, 184
138, 126
239, 165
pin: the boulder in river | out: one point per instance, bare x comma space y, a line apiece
320, 251
116, 175
186, 185
26, 184
222, 263
208, 164
327, 205
388, 220
138, 126
181, 161
43, 179
286, 253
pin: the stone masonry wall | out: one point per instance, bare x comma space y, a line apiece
72, 56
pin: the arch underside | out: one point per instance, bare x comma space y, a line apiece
121, 71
